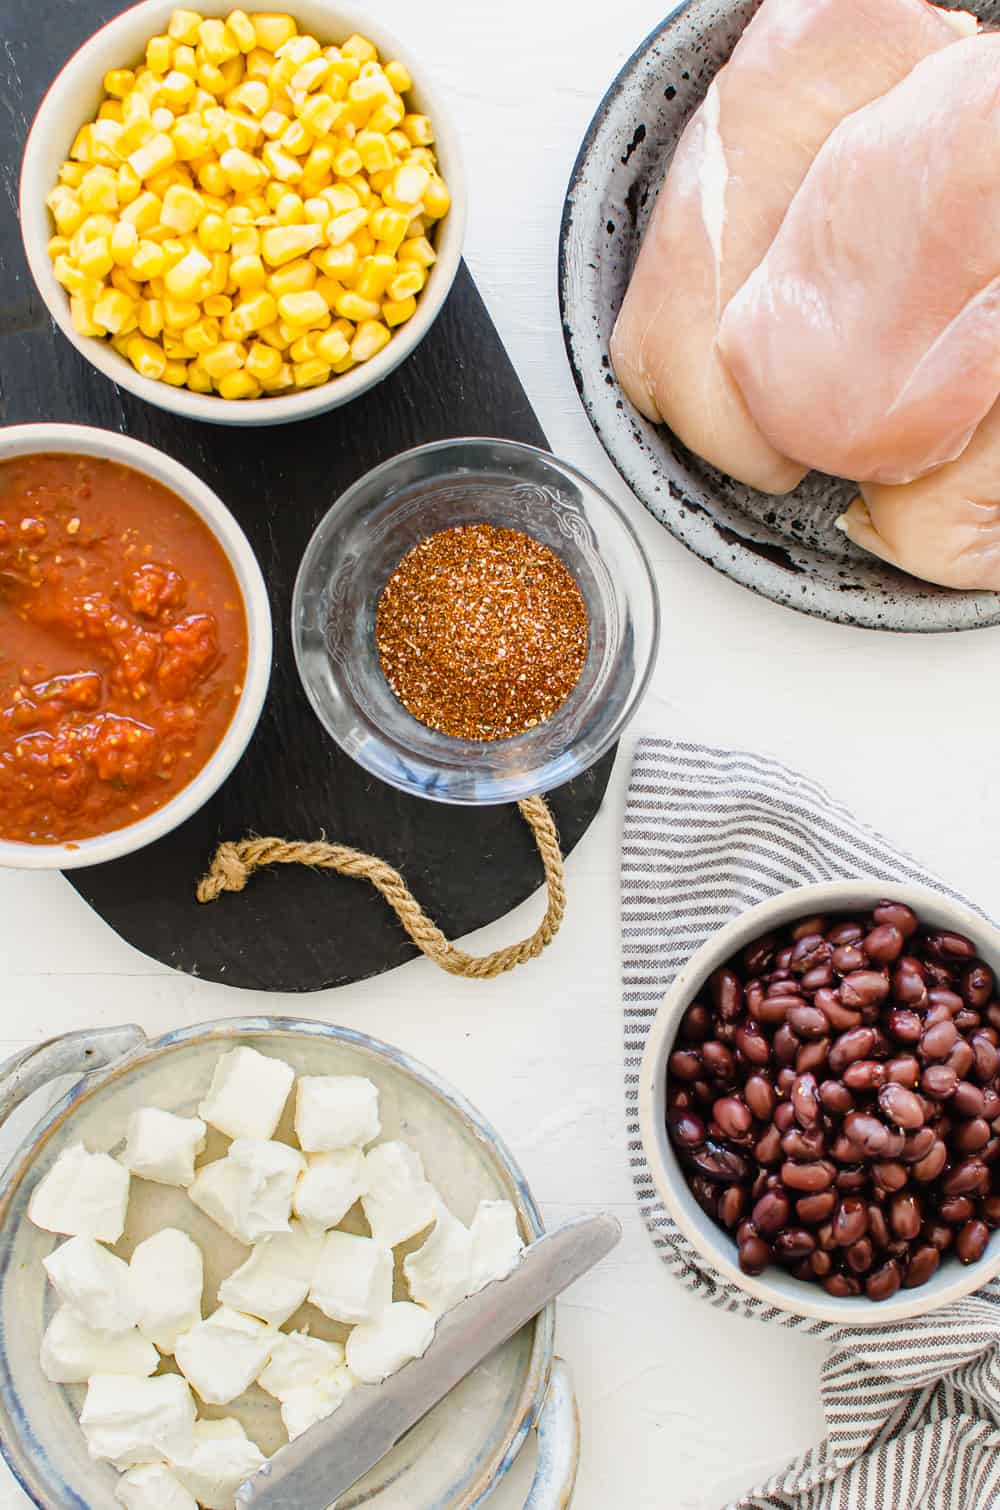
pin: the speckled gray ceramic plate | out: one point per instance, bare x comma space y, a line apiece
786, 548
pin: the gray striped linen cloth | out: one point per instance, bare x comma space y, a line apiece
912, 1409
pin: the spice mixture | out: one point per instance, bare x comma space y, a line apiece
481, 632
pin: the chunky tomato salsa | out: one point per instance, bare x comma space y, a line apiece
123, 647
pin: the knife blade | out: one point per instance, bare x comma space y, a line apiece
313, 1471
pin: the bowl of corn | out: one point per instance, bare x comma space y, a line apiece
243, 217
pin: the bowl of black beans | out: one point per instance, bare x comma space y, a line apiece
820, 1101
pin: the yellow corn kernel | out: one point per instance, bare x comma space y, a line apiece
185, 61
185, 279
119, 344
299, 50
399, 76
317, 210
372, 336
310, 374
305, 308
409, 182
217, 45
148, 358
272, 30
177, 89
243, 172
296, 139
283, 378
143, 212
241, 29
245, 239
71, 278
191, 139
273, 123
417, 250
318, 114
284, 243
290, 210
159, 54
57, 246
135, 136
407, 284
375, 275
345, 68
345, 225
214, 233
175, 373
437, 199
212, 178
309, 75
82, 148
81, 314
238, 385
183, 26
331, 346
150, 317
178, 314
293, 278
365, 243
94, 258
259, 64
227, 357
374, 150
389, 226
252, 95
363, 190
398, 311
129, 185
174, 248
126, 285
387, 116
337, 261
197, 379
304, 349
233, 71
218, 305
351, 306
263, 363
247, 273
110, 110
218, 281
182, 209
281, 165
115, 312
203, 335
148, 261
67, 211
399, 142
341, 197
250, 315
98, 191
359, 48
174, 347
158, 153
124, 242
211, 78
272, 335
347, 162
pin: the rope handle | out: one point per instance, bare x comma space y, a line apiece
234, 863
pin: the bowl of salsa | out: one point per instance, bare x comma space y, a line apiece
135, 645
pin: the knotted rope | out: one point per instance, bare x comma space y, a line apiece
233, 865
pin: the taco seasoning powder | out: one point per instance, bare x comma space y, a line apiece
481, 632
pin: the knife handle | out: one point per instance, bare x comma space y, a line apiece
558, 1445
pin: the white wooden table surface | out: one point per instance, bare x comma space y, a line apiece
679, 1404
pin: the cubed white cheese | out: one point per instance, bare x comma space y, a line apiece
399, 1201
220, 1460
83, 1195
153, 1487
439, 1274
131, 1420
303, 1407
496, 1243
249, 1193
72, 1351
95, 1283
247, 1094
380, 1348
353, 1280
335, 1111
167, 1281
277, 1276
221, 1356
162, 1147
298, 1360
330, 1186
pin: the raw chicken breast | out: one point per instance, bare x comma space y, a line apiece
867, 342
798, 69
946, 526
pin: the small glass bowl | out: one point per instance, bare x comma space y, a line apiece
358, 546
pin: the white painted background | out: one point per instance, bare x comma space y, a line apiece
679, 1404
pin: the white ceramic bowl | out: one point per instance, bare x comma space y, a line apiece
73, 98
775, 1287
82, 440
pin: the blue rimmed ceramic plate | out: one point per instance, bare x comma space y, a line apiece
786, 548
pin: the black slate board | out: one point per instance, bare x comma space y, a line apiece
291, 930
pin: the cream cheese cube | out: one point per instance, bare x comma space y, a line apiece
153, 1487
72, 1351
95, 1283
277, 1276
249, 1193
335, 1111
380, 1348
399, 1201
247, 1094
221, 1459
83, 1195
131, 1420
221, 1356
167, 1281
496, 1243
303, 1407
162, 1147
353, 1281
330, 1186
439, 1273
298, 1360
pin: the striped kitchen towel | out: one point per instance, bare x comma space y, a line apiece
912, 1409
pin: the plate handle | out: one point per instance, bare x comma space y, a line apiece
558, 1445
71, 1054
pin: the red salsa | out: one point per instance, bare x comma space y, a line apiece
123, 647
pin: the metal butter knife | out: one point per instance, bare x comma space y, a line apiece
319, 1466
